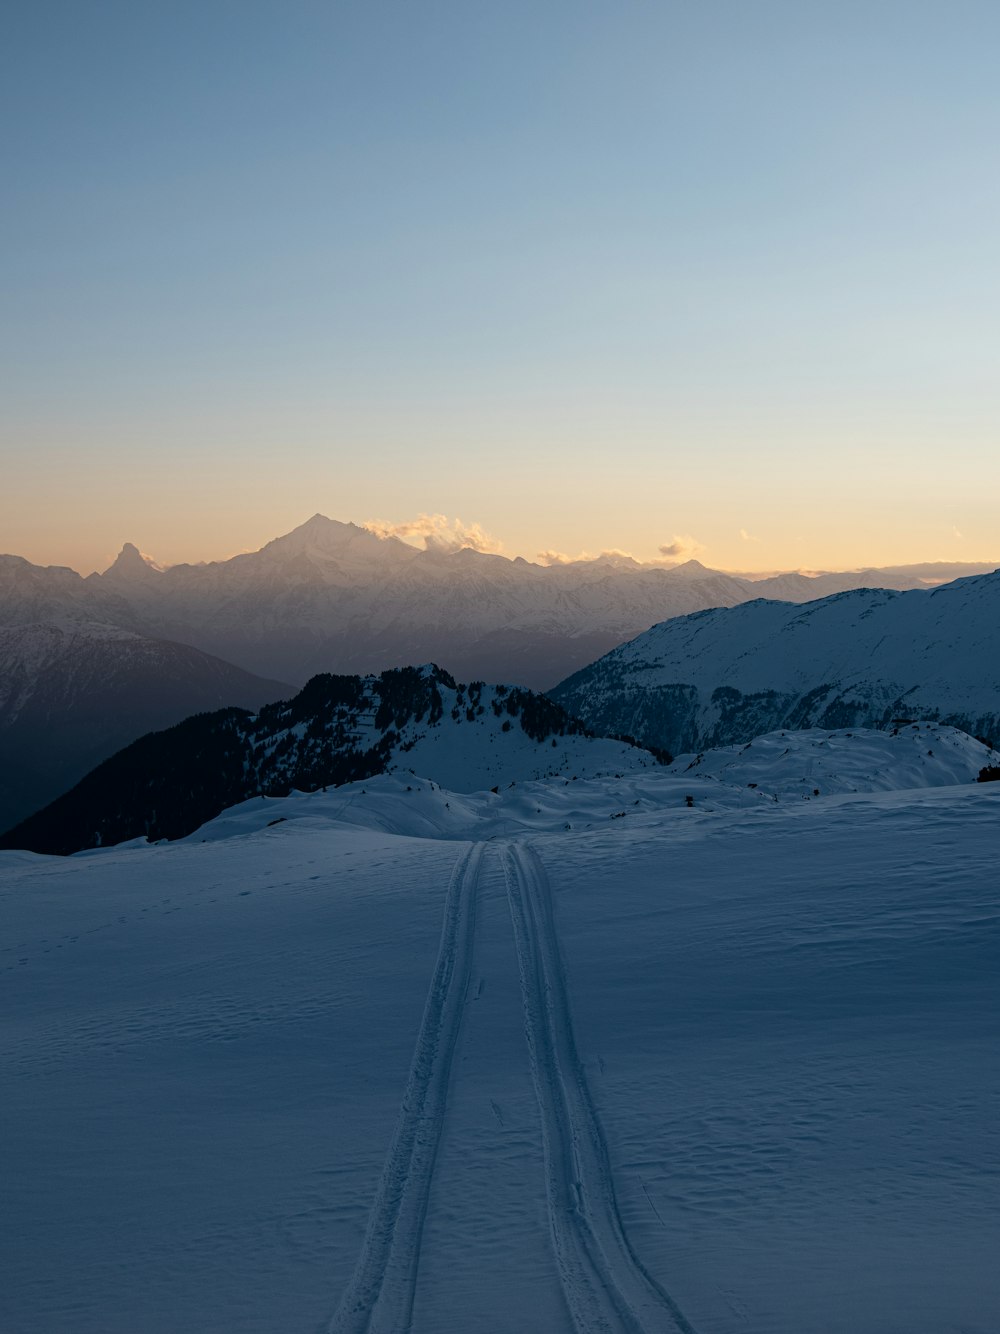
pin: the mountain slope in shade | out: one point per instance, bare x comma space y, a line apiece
73, 693
857, 659
338, 729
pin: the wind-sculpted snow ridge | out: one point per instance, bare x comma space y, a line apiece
774, 771
606, 1286
866, 658
379, 1297
338, 729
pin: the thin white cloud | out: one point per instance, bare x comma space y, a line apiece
957, 533
682, 547
438, 533
562, 558
748, 537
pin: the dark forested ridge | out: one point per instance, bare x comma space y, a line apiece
337, 729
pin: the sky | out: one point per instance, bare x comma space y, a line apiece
709, 278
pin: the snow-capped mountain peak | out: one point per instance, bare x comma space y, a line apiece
329, 537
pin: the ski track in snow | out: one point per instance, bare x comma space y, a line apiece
379, 1296
606, 1287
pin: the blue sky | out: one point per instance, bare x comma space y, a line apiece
590, 275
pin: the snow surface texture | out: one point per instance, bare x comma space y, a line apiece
858, 659
725, 1068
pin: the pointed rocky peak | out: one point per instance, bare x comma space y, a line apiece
130, 564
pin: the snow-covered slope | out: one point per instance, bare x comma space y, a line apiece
52, 594
816, 763
855, 659
715, 1069
336, 730
73, 691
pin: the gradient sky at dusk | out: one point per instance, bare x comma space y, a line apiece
588, 274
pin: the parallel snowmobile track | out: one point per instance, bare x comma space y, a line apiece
379, 1296
606, 1287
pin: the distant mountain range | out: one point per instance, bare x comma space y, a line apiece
338, 729
866, 658
89, 664
335, 597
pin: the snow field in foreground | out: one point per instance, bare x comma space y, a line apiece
776, 1023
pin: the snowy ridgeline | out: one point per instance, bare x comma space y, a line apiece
395, 1057
857, 659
